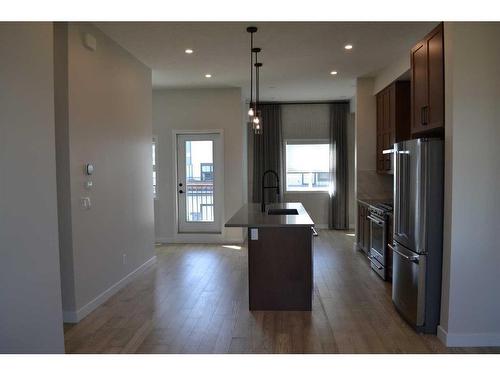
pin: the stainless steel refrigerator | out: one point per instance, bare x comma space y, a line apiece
418, 231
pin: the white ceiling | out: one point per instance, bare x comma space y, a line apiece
297, 56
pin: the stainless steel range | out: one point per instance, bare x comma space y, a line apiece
379, 216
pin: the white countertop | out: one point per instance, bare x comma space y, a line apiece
250, 215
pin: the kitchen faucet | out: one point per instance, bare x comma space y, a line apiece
277, 187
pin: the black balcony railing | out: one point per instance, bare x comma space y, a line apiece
200, 200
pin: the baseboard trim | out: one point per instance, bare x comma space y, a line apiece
76, 316
467, 339
325, 226
198, 240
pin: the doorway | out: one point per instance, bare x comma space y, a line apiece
199, 183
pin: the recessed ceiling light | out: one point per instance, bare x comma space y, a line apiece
333, 72
189, 51
348, 46
208, 75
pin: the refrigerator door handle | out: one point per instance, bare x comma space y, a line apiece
397, 193
403, 191
422, 189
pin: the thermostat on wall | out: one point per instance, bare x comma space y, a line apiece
89, 169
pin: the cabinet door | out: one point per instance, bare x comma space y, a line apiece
360, 226
392, 116
419, 86
380, 132
366, 232
385, 125
402, 120
435, 111
391, 125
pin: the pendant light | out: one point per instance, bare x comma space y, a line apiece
251, 111
257, 120
254, 112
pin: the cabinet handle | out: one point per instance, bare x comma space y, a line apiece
423, 115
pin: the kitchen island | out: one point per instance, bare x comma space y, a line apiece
280, 257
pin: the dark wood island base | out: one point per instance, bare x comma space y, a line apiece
280, 268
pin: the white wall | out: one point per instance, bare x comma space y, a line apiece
198, 109
30, 294
104, 119
391, 73
470, 300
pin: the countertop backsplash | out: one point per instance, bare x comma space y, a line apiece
374, 186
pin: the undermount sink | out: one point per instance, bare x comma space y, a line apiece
282, 211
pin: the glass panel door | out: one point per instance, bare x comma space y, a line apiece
198, 182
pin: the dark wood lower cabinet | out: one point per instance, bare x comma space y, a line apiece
280, 269
363, 239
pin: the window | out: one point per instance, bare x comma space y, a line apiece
307, 166
207, 171
153, 155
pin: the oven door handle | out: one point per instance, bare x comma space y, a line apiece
413, 259
372, 261
375, 220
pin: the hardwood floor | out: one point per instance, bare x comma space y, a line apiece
195, 300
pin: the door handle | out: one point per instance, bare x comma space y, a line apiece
375, 220
413, 259
375, 264
315, 234
424, 114
181, 191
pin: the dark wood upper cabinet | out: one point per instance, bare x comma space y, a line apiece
427, 84
393, 121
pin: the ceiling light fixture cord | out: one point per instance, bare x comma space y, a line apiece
251, 74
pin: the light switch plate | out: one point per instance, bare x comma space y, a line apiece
254, 234
89, 169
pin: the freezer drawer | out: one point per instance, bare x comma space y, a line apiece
408, 284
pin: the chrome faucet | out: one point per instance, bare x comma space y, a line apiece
277, 187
